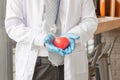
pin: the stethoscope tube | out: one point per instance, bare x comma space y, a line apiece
57, 12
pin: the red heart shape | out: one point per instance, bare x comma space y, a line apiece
61, 42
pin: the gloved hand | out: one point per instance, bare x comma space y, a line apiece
50, 46
72, 37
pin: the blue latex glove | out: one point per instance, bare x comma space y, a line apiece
50, 46
72, 37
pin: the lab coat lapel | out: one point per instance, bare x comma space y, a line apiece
71, 14
67, 15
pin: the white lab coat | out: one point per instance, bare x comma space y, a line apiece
24, 25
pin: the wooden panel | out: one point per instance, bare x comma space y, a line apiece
105, 7
118, 8
107, 12
98, 8
112, 10
102, 7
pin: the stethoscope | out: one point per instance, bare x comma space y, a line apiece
53, 29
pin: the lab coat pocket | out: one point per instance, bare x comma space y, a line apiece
79, 62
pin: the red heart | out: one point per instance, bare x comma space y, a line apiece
61, 42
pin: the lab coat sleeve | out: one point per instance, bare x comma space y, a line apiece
16, 27
88, 24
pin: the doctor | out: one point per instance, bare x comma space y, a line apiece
34, 24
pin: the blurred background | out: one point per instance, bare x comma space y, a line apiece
103, 48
